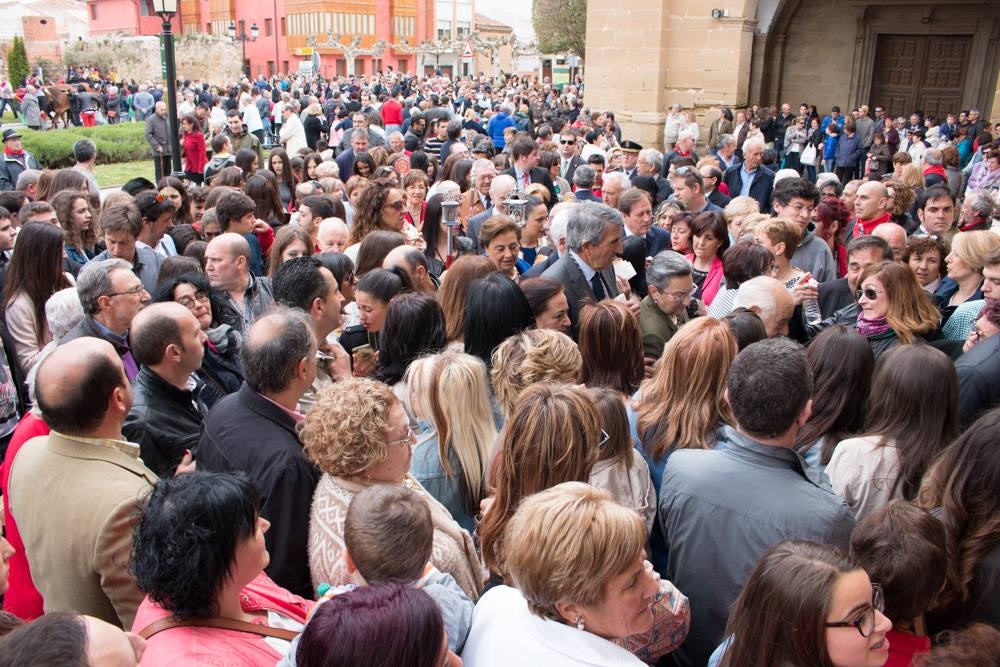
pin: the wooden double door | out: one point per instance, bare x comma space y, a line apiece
920, 72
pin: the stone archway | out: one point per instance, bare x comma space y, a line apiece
792, 59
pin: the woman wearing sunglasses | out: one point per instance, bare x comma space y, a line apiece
806, 604
380, 206
894, 308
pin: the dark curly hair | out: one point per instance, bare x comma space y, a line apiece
187, 536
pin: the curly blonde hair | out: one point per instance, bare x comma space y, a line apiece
536, 355
345, 431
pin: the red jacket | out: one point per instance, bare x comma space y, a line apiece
713, 281
22, 598
195, 157
212, 646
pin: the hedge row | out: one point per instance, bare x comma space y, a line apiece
115, 143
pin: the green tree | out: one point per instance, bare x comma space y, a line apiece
560, 25
17, 63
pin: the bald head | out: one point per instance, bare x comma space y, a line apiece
767, 297
501, 186
872, 200
227, 262
895, 236
280, 352
332, 235
82, 390
158, 327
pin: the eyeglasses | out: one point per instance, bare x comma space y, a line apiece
135, 291
681, 296
188, 301
405, 440
398, 205
869, 293
865, 623
568, 142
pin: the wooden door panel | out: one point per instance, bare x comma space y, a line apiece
920, 72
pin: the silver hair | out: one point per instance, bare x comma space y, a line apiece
753, 141
588, 222
617, 176
559, 220
664, 266
686, 134
481, 163
270, 364
583, 177
981, 202
63, 311
359, 133
933, 156
758, 292
94, 281
652, 157
726, 139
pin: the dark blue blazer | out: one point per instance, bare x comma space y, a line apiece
587, 195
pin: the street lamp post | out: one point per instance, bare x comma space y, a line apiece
166, 9
244, 38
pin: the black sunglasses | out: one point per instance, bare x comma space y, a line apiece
567, 141
869, 293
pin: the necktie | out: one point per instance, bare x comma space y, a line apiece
524, 179
565, 168
489, 204
597, 285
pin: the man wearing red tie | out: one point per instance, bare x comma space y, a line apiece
525, 172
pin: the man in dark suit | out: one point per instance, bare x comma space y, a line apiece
583, 180
711, 177
524, 153
569, 160
649, 163
630, 158
642, 240
359, 144
500, 187
593, 238
254, 432
759, 181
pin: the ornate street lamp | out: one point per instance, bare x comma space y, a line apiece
243, 39
166, 9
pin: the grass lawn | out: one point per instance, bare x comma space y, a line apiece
110, 175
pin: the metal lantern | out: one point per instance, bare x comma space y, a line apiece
449, 218
516, 204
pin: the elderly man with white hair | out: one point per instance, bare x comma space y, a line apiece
477, 200
683, 148
332, 235
749, 178
558, 222
767, 297
500, 187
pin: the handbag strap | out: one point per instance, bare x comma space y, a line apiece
159, 626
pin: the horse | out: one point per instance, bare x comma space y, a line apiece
58, 97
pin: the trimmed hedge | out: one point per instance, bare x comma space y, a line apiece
53, 149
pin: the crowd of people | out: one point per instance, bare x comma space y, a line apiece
412, 371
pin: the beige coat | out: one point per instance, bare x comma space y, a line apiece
75, 505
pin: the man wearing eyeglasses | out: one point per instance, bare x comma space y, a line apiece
568, 158
111, 296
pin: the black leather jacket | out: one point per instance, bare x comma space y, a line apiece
164, 421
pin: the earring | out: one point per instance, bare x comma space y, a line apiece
579, 623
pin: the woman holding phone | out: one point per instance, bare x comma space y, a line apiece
373, 293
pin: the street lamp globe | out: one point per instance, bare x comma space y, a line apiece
168, 7
254, 31
231, 29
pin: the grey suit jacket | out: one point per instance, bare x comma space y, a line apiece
476, 225
576, 287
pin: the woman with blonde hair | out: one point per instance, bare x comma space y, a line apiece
782, 238
552, 436
965, 265
737, 211
536, 355
359, 435
913, 177
683, 405
580, 593
449, 392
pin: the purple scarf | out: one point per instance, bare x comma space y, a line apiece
871, 328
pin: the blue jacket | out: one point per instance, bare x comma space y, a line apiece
497, 125
849, 150
830, 146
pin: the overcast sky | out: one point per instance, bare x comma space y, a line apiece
516, 13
